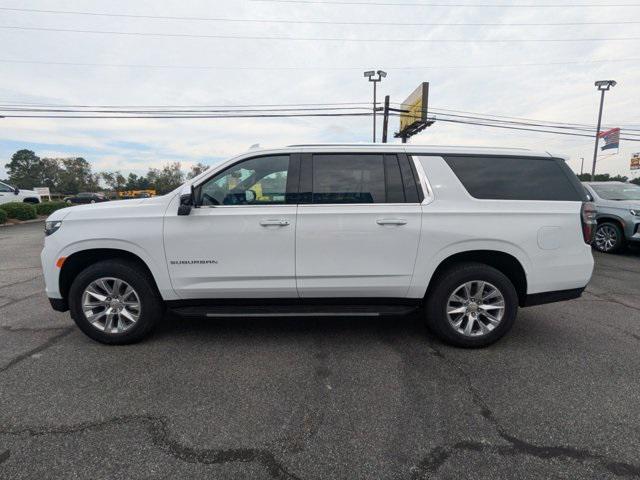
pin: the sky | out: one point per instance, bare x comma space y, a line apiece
259, 71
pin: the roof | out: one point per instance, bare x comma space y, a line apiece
412, 148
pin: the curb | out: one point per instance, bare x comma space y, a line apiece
23, 222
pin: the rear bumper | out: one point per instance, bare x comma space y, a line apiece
59, 304
551, 297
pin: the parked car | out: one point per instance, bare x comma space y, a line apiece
465, 235
86, 197
618, 214
9, 193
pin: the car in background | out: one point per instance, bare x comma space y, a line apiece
86, 197
9, 193
618, 214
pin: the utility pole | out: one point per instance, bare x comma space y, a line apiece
581, 165
385, 122
370, 74
603, 86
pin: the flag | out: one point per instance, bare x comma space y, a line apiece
611, 138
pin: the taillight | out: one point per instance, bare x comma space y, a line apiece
588, 217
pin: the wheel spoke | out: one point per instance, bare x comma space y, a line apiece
457, 310
469, 326
98, 296
480, 312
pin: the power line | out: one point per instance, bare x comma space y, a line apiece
321, 39
509, 127
308, 22
337, 68
275, 115
469, 5
55, 105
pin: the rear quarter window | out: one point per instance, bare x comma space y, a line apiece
515, 178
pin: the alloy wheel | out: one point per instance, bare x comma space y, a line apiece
606, 238
475, 308
111, 305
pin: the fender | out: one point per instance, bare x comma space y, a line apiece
425, 267
157, 267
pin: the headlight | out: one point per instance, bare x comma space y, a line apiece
52, 227
635, 211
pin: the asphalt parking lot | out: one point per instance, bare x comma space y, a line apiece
559, 397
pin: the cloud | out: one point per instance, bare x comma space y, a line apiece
555, 92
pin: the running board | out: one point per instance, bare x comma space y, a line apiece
227, 311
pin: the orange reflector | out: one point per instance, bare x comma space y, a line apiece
60, 262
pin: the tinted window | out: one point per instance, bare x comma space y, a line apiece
348, 178
411, 191
393, 180
513, 178
617, 191
5, 188
261, 180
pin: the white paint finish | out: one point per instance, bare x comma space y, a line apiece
8, 194
343, 251
455, 222
131, 225
253, 260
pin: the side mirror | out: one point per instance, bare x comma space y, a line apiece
186, 203
16, 191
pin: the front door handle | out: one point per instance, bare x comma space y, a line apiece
281, 222
391, 221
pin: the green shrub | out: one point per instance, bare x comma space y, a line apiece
47, 208
3, 217
19, 210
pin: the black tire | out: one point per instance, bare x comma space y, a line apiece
448, 283
605, 232
152, 306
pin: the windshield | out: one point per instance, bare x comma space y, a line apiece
618, 191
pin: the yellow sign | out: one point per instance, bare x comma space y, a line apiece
635, 161
137, 193
416, 106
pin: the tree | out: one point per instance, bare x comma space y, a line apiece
76, 176
24, 169
114, 180
50, 173
636, 181
197, 169
602, 177
167, 179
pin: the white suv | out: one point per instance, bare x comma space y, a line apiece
15, 194
464, 235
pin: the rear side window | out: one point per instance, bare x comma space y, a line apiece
348, 178
513, 178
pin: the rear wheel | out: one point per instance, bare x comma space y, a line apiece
609, 237
113, 302
472, 305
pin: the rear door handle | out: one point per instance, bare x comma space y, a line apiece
281, 222
391, 221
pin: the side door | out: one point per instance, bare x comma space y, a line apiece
359, 225
240, 240
7, 194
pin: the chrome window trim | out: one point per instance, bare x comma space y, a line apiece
424, 181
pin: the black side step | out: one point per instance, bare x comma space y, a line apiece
219, 311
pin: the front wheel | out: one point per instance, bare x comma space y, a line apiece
608, 238
472, 305
113, 302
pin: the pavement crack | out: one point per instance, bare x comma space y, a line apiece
161, 437
514, 445
18, 300
51, 341
608, 298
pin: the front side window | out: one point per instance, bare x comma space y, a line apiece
5, 188
257, 181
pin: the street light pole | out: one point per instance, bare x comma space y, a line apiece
372, 78
603, 86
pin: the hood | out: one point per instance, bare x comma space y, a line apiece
112, 209
624, 204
